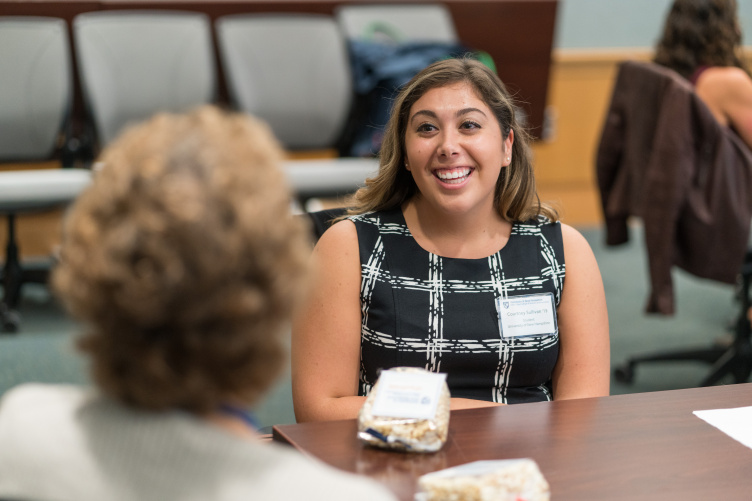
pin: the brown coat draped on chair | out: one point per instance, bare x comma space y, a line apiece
665, 159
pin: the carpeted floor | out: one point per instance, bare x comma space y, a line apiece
43, 350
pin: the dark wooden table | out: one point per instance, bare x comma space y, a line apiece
646, 446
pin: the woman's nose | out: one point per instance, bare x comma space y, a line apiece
448, 144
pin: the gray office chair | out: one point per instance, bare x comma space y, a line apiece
325, 178
35, 99
133, 64
290, 70
35, 82
402, 22
321, 220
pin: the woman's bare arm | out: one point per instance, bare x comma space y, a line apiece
728, 93
583, 368
326, 332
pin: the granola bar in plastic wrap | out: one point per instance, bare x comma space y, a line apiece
405, 433
502, 480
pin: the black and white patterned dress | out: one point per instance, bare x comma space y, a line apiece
423, 310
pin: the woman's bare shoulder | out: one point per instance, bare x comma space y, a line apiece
725, 79
725, 72
578, 253
573, 237
342, 235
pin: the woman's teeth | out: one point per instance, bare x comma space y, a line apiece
454, 176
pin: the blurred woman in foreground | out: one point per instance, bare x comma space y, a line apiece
184, 263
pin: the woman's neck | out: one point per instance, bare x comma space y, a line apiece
233, 425
466, 235
234, 419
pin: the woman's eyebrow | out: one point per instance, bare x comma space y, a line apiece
427, 113
431, 114
465, 111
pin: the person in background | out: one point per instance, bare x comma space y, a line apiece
702, 42
437, 250
184, 263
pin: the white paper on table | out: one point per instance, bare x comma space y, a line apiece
736, 423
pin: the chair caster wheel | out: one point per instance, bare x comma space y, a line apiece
624, 373
9, 321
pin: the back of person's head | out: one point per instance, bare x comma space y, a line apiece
515, 198
184, 263
700, 33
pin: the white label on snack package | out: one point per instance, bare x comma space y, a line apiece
531, 315
408, 394
478, 468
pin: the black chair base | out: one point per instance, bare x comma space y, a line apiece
10, 320
733, 360
13, 278
323, 219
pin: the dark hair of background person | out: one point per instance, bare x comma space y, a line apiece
516, 198
184, 263
700, 33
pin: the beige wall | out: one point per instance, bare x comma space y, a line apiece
579, 94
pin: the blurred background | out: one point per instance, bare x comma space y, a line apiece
560, 59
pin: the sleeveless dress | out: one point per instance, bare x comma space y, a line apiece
423, 310
696, 74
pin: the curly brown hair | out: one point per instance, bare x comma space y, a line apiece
700, 33
516, 198
183, 260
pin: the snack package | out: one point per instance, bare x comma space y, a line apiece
502, 480
407, 409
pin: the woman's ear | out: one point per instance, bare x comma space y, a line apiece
507, 148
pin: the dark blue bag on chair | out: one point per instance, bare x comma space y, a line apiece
379, 70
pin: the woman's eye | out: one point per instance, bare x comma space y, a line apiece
426, 127
470, 125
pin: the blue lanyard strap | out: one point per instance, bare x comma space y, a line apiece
247, 416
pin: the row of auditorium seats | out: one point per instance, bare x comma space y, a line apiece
291, 70
35, 96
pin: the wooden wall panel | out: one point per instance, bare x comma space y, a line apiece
37, 233
579, 95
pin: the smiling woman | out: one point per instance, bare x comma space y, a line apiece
445, 238
455, 152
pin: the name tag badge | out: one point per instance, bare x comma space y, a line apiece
524, 316
408, 395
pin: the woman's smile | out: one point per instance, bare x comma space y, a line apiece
455, 149
453, 176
